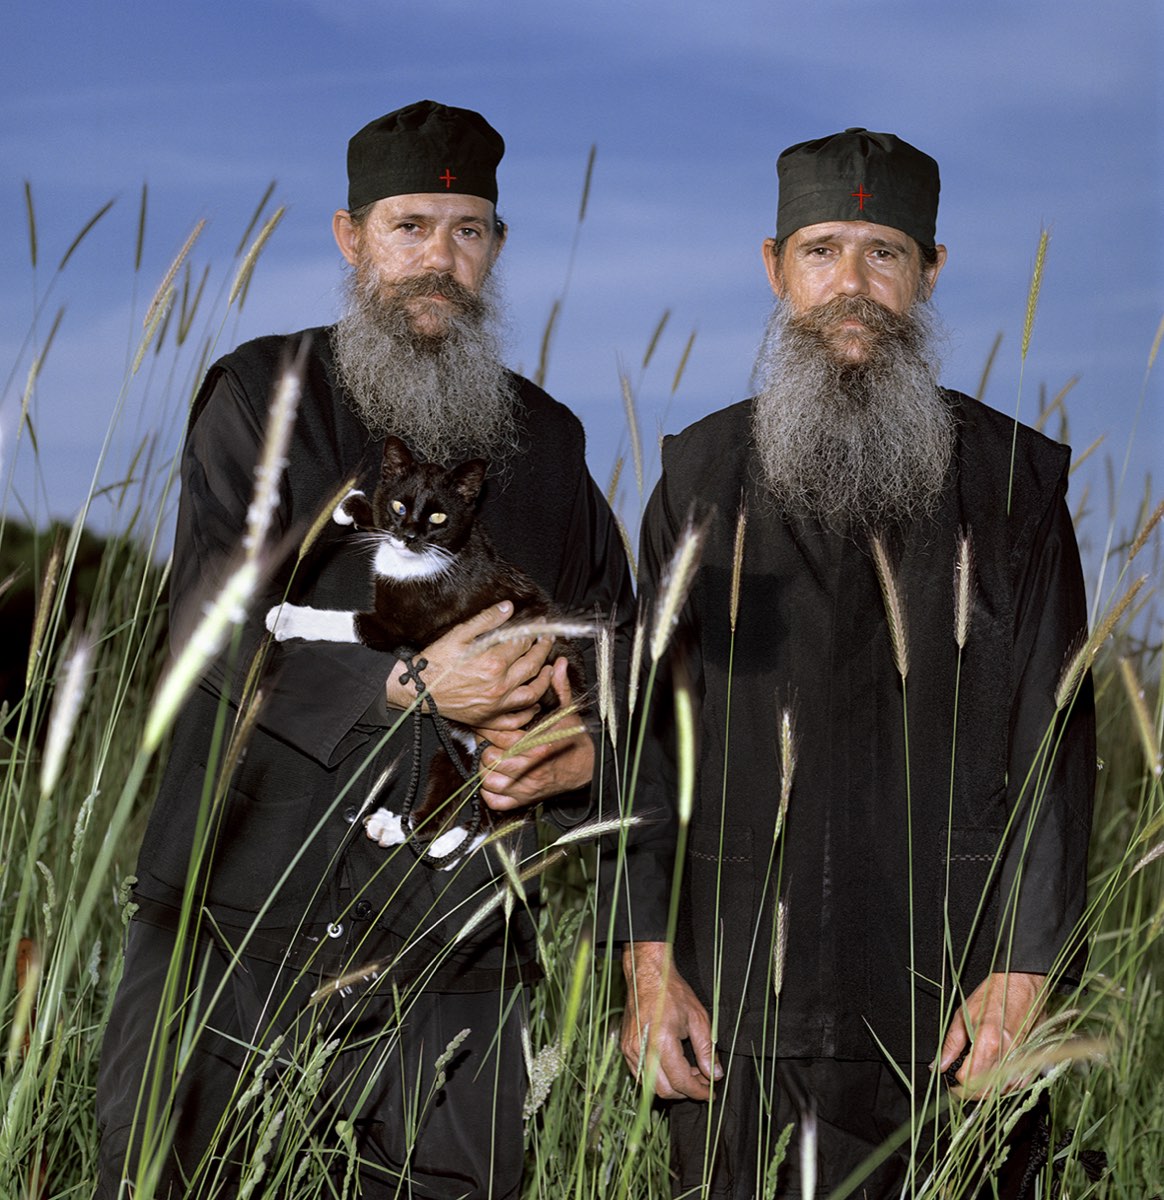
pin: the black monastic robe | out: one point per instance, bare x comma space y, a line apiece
994, 795
287, 854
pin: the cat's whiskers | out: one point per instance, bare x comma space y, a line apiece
394, 560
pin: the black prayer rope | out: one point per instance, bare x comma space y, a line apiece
412, 675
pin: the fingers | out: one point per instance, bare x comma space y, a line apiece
955, 1042
699, 1033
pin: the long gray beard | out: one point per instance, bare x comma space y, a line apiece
854, 445
448, 396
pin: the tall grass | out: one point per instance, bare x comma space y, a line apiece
83, 735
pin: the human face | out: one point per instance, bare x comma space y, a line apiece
424, 234
850, 258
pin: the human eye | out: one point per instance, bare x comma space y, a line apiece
469, 232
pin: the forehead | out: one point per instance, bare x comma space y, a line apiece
852, 233
434, 206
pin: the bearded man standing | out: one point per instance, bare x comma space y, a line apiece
886, 855
409, 1071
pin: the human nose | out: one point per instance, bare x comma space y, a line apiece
438, 251
852, 278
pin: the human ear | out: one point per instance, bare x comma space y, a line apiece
346, 234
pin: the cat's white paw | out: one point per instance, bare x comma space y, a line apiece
341, 516
457, 840
384, 828
313, 624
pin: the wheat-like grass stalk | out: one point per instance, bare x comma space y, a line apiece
545, 627
683, 362
1080, 662
1149, 740
44, 607
632, 424
963, 589
66, 708
1156, 344
780, 949
685, 752
604, 654
324, 517
808, 1139
164, 293
738, 562
787, 768
894, 608
273, 457
638, 640
1141, 538
1035, 288
243, 278
658, 333
615, 476
592, 830
675, 584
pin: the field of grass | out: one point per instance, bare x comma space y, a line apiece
83, 732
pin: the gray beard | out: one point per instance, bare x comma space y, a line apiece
854, 445
448, 396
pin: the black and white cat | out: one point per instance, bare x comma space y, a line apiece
433, 568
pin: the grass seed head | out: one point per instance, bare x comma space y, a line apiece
675, 584
894, 608
963, 589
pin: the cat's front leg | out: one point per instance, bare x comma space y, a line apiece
313, 624
354, 509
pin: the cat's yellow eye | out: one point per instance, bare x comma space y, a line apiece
398, 508
437, 518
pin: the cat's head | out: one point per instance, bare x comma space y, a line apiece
425, 504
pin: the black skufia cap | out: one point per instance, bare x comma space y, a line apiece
424, 147
858, 176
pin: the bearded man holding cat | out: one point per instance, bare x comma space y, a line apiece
887, 850
410, 1069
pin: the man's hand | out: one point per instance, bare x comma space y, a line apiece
661, 1006
996, 1018
542, 771
497, 687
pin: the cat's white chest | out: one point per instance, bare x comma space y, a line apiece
393, 560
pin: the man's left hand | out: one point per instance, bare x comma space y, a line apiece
996, 1018
542, 771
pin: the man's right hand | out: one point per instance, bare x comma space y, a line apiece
662, 1006
498, 687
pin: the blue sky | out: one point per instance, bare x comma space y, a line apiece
1040, 113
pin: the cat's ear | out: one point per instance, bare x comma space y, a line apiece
397, 457
468, 478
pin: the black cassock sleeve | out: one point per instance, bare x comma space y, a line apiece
1051, 769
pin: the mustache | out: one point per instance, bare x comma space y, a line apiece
439, 284
826, 318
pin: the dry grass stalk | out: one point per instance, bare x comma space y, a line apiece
547, 731
636, 664
227, 610
1146, 532
738, 561
632, 424
787, 768
67, 702
596, 829
166, 287
44, 607
1079, 459
1033, 294
685, 741
894, 609
1153, 854
243, 278
655, 337
322, 521
682, 362
1080, 662
607, 710
615, 476
1149, 739
808, 1153
674, 585
160, 310
556, 627
780, 949
498, 898
273, 458
963, 589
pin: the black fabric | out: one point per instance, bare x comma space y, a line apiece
423, 148
858, 176
380, 1076
812, 639
727, 1149
284, 835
